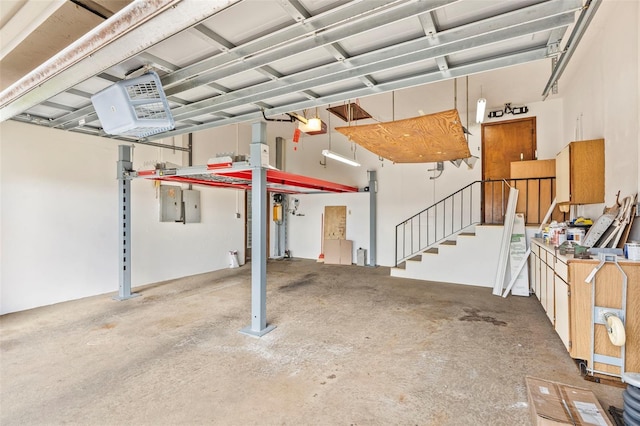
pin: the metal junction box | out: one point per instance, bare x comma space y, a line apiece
179, 205
170, 203
191, 200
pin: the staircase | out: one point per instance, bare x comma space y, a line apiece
448, 242
469, 257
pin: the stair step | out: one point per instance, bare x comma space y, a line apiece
417, 258
402, 265
448, 243
432, 250
467, 234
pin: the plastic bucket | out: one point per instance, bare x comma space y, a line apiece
233, 259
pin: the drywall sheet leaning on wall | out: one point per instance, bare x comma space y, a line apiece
517, 260
424, 139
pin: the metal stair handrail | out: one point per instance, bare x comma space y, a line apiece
427, 233
464, 208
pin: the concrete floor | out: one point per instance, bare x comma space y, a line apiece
352, 346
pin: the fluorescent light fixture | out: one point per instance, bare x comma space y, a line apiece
339, 157
482, 106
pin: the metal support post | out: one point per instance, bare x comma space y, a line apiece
284, 226
373, 219
125, 165
259, 160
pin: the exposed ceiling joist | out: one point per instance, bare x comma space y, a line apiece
229, 64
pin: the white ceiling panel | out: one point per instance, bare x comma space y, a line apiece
248, 20
199, 93
70, 100
184, 49
308, 59
243, 79
289, 55
383, 36
318, 6
465, 12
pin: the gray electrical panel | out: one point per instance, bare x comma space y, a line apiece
170, 203
179, 205
191, 199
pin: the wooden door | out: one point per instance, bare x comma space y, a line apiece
503, 143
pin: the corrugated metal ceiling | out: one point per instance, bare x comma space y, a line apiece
281, 56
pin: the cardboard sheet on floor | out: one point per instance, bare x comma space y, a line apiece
338, 252
553, 403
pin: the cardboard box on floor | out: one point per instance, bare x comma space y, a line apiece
338, 252
554, 403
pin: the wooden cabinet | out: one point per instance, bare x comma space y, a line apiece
542, 265
550, 284
551, 293
534, 180
534, 269
580, 173
566, 298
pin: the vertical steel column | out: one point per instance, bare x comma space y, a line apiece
125, 165
259, 160
281, 227
373, 219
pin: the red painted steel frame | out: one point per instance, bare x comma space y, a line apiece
277, 181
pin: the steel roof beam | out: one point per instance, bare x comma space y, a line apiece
506, 60
455, 40
235, 55
298, 12
370, 16
584, 19
281, 37
431, 31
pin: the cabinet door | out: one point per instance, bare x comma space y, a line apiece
562, 310
543, 283
551, 312
535, 274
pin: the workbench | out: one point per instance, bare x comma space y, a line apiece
558, 281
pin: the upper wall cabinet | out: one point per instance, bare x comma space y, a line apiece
580, 173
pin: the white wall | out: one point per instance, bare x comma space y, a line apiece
58, 204
305, 231
403, 189
59, 220
600, 89
58, 189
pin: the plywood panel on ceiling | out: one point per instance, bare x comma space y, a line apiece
424, 139
335, 222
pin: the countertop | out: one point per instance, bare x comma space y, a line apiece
569, 257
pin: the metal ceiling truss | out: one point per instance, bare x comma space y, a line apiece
518, 33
